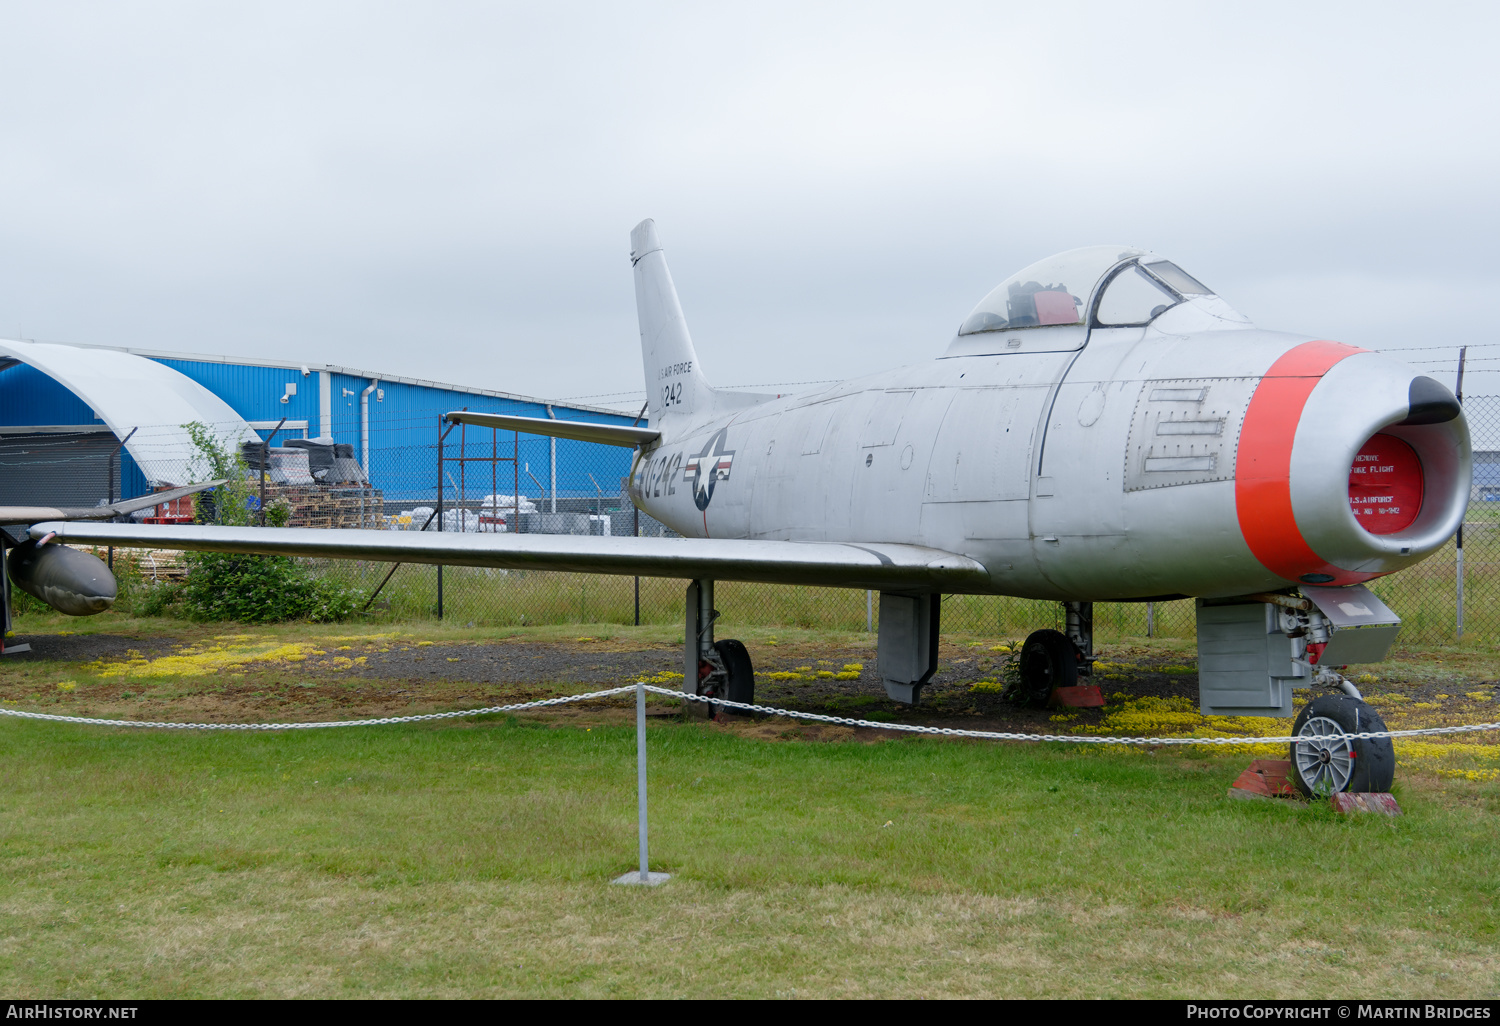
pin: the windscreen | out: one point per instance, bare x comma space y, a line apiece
1133, 297
1050, 292
1177, 278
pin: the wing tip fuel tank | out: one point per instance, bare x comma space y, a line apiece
69, 580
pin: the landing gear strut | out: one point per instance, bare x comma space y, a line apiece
713, 669
5, 604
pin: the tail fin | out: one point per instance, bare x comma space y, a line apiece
675, 384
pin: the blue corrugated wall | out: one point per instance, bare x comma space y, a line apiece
27, 396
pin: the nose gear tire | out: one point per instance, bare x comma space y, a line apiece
1320, 768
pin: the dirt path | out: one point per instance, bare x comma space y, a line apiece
261, 676
120, 675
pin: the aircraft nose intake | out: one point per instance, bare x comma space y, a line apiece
1379, 473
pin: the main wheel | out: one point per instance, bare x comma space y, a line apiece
740, 683
1320, 768
1048, 661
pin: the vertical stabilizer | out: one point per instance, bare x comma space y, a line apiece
674, 382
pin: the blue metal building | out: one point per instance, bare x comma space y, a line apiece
391, 422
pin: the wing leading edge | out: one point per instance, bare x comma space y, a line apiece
843, 565
33, 514
605, 434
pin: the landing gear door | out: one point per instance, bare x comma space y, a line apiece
1245, 664
1362, 628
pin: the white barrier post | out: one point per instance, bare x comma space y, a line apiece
644, 877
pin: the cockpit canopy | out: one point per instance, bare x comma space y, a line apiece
1133, 288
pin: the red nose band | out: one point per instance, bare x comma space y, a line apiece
1263, 466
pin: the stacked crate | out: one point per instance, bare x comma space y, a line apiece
319, 506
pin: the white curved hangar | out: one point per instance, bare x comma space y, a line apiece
130, 392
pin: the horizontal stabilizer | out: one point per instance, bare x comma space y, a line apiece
33, 514
832, 564
578, 430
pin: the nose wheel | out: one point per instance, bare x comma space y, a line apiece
1340, 762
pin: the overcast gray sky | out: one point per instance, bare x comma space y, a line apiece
446, 190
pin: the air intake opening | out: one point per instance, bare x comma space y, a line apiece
1386, 485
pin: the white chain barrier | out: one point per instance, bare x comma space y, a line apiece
1080, 739
455, 715
910, 728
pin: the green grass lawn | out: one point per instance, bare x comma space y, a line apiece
473, 859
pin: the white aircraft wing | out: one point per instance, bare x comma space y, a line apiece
34, 514
582, 431
834, 564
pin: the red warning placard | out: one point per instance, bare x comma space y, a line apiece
1385, 485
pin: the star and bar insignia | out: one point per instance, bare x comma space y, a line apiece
704, 469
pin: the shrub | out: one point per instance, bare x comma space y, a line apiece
278, 512
230, 502
157, 598
247, 588
261, 589
1012, 689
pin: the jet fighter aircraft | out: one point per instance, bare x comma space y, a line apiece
1101, 427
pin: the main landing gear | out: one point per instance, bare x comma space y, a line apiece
713, 669
1053, 659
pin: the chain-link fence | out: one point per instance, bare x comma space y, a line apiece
478, 480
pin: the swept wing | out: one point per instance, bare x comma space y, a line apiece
582, 431
836, 564
35, 514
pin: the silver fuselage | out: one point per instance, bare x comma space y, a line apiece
1072, 464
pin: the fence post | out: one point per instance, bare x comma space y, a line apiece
1458, 575
644, 877
111, 467
1150, 619
869, 612
441, 436
265, 457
